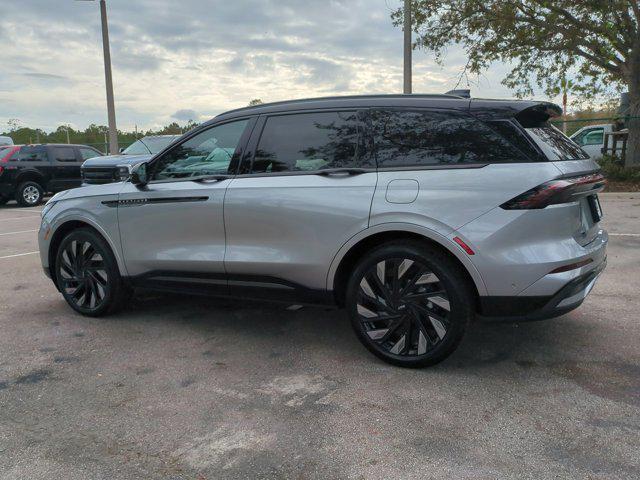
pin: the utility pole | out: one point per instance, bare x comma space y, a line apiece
111, 109
67, 130
407, 47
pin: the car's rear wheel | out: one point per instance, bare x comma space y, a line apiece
29, 194
87, 274
409, 304
3, 200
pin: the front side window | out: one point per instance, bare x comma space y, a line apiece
30, 154
308, 142
88, 153
437, 138
595, 137
207, 153
64, 154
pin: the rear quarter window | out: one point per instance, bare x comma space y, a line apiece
437, 138
555, 145
29, 154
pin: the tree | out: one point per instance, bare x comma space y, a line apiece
595, 42
254, 102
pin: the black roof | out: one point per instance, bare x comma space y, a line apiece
485, 108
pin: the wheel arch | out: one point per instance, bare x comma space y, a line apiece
32, 176
67, 226
348, 256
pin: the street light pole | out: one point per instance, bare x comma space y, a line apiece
111, 109
407, 46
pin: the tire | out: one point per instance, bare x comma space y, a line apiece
29, 194
3, 200
87, 274
419, 318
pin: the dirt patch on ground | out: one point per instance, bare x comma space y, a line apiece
621, 186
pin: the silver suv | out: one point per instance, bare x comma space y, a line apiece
415, 213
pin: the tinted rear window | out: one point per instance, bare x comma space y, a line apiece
555, 145
30, 154
64, 154
432, 138
308, 142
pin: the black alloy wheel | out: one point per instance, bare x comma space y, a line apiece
409, 306
87, 274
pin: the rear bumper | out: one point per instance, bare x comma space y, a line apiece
525, 308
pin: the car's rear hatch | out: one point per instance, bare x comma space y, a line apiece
579, 180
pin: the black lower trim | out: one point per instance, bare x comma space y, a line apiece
513, 306
538, 307
7, 189
255, 287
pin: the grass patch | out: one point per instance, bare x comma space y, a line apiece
619, 177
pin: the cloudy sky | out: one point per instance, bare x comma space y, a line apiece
175, 60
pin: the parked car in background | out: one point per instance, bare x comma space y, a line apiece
414, 212
5, 141
115, 168
28, 172
591, 139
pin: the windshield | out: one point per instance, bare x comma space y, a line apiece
148, 145
555, 145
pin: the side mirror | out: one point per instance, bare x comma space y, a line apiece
121, 150
138, 175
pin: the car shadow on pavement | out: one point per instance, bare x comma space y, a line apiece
485, 344
13, 205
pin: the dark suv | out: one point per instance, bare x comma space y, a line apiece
27, 172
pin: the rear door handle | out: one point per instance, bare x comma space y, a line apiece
209, 178
342, 171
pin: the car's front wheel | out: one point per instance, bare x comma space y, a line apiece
409, 304
87, 274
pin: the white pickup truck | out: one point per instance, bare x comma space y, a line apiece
591, 139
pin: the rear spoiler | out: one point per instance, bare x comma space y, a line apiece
527, 112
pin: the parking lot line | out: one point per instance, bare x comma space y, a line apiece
18, 255
17, 218
15, 233
26, 210
624, 234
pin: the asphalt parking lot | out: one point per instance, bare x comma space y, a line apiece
194, 388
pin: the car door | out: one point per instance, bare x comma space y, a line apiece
305, 187
172, 229
65, 167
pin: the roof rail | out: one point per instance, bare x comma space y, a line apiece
343, 97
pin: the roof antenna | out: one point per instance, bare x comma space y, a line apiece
464, 93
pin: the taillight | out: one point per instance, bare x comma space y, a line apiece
562, 190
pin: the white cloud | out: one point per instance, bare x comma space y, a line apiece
203, 58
